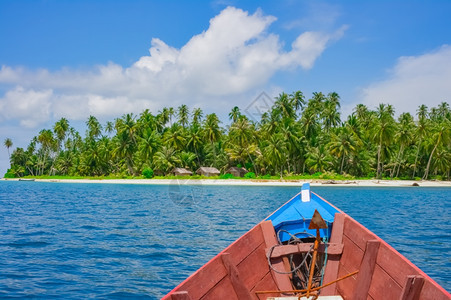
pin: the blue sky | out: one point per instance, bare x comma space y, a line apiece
72, 59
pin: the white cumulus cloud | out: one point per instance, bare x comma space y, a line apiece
236, 55
30, 107
414, 80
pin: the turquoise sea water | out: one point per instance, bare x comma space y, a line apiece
115, 241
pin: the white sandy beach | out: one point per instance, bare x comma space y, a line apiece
255, 182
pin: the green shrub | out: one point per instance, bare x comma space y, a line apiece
438, 177
9, 174
250, 175
267, 176
226, 176
147, 173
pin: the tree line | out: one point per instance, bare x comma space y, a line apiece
295, 136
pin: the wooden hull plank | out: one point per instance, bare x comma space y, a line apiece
282, 281
333, 262
240, 289
366, 269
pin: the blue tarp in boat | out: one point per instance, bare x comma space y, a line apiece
294, 217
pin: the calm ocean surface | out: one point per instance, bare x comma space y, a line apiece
111, 241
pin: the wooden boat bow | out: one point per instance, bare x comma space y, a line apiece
359, 265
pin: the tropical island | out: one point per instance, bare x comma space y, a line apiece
295, 139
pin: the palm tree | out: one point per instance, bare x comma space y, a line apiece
18, 161
109, 127
124, 149
47, 142
275, 153
171, 114
242, 136
148, 145
129, 126
353, 124
442, 162
197, 116
60, 128
297, 100
94, 127
442, 111
107, 163
363, 116
8, 144
183, 115
342, 145
403, 137
442, 135
330, 113
294, 140
285, 106
241, 131
163, 116
316, 103
361, 112
270, 122
166, 159
241, 153
334, 99
186, 159
31, 162
175, 137
420, 133
64, 162
194, 140
309, 124
18, 171
422, 112
90, 159
383, 129
18, 157
235, 114
318, 159
212, 132
146, 120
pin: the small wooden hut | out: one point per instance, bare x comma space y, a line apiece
208, 171
182, 172
237, 172
157, 172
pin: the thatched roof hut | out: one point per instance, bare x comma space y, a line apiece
208, 171
237, 172
182, 172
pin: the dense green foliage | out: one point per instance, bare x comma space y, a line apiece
294, 137
147, 173
9, 174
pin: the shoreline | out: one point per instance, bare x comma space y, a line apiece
255, 182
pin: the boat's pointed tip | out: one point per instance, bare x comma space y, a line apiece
305, 192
